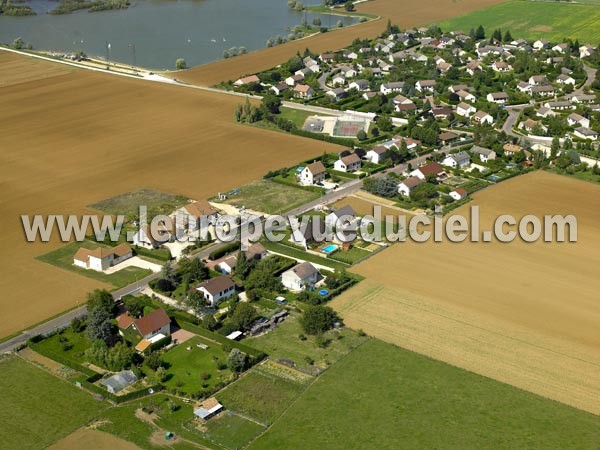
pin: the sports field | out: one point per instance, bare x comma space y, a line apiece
82, 137
383, 397
534, 20
408, 13
524, 314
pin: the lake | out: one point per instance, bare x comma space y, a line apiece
154, 33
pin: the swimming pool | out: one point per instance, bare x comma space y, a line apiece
330, 249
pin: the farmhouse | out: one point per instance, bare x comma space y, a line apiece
350, 163
119, 381
406, 186
459, 194
216, 289
485, 154
102, 258
430, 169
208, 408
457, 160
312, 174
300, 277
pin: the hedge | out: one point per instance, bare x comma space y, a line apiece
216, 254
323, 137
291, 182
60, 358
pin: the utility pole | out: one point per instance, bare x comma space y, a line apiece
107, 54
132, 46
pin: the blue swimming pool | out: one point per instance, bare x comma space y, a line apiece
330, 249
323, 292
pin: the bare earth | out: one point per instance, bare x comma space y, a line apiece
75, 139
405, 13
524, 314
92, 439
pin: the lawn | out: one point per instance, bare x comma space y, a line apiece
186, 368
63, 259
271, 198
231, 431
284, 343
37, 409
67, 344
383, 397
297, 116
128, 203
534, 20
296, 253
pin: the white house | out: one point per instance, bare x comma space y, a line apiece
405, 187
586, 133
465, 96
347, 212
359, 85
350, 163
145, 238
457, 160
482, 118
485, 154
338, 80
501, 66
294, 80
465, 110
279, 89
575, 119
217, 289
246, 80
300, 277
459, 194
377, 154
312, 174
303, 91
101, 258
431, 168
193, 215
425, 85
388, 88
497, 97
565, 79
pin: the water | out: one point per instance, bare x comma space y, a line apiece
161, 31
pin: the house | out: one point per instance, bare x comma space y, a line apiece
194, 215
216, 289
560, 48
208, 408
459, 194
405, 187
293, 80
312, 174
303, 91
481, 117
465, 96
338, 80
559, 106
308, 62
300, 277
511, 149
447, 137
348, 72
586, 133
524, 86
444, 67
304, 234
544, 112
425, 85
101, 258
246, 80
429, 169
119, 381
497, 97
337, 94
465, 110
256, 252
149, 239
501, 66
332, 218
536, 80
581, 98
326, 57
575, 119
377, 154
359, 85
350, 163
585, 51
279, 89
388, 88
485, 154
153, 327
304, 72
369, 95
457, 88
473, 66
543, 90
457, 160
529, 125
227, 266
540, 44
565, 79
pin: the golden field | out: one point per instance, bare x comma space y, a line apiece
72, 140
406, 13
89, 438
523, 314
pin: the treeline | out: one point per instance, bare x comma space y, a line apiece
69, 6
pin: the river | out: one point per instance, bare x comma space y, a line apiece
155, 33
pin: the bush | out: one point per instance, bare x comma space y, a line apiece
224, 250
318, 319
180, 64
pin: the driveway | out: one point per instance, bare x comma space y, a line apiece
136, 261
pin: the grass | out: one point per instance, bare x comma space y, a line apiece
232, 431
37, 409
297, 116
296, 253
63, 259
284, 343
534, 20
128, 203
350, 256
384, 397
79, 342
186, 367
271, 198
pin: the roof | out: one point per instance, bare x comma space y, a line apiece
234, 335
412, 182
432, 168
83, 254
120, 380
152, 321
461, 191
447, 136
217, 284
208, 407
304, 270
345, 211
302, 88
427, 83
512, 148
143, 345
585, 131
316, 168
124, 320
460, 156
200, 208
481, 114
254, 250
249, 79
499, 95
482, 150
353, 158
380, 149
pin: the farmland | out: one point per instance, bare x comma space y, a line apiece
534, 20
383, 397
24, 70
88, 438
120, 145
411, 13
524, 314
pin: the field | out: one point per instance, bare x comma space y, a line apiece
410, 13
96, 136
36, 408
88, 438
524, 314
384, 397
270, 197
534, 20
129, 203
24, 70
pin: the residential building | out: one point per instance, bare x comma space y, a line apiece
484, 154
216, 289
458, 160
459, 194
405, 187
300, 277
312, 174
429, 169
350, 163
347, 212
377, 154
101, 258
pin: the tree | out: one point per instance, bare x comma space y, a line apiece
180, 64
384, 123
100, 299
423, 192
271, 103
349, 6
133, 305
317, 319
316, 22
161, 374
361, 135
497, 35
239, 112
507, 37
168, 273
154, 361
480, 32
242, 51
99, 325
555, 148
237, 361
194, 268
241, 265
195, 301
247, 108
243, 315
339, 24
77, 325
18, 43
209, 322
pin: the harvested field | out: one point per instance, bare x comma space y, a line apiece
98, 440
408, 13
524, 314
84, 137
17, 70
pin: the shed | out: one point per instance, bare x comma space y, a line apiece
119, 381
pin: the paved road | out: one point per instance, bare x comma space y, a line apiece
591, 76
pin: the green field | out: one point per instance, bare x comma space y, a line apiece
128, 203
534, 20
383, 397
37, 409
63, 259
271, 198
231, 431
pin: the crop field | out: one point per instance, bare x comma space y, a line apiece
36, 408
384, 397
524, 314
534, 20
408, 13
95, 136
89, 438
16, 70
128, 204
